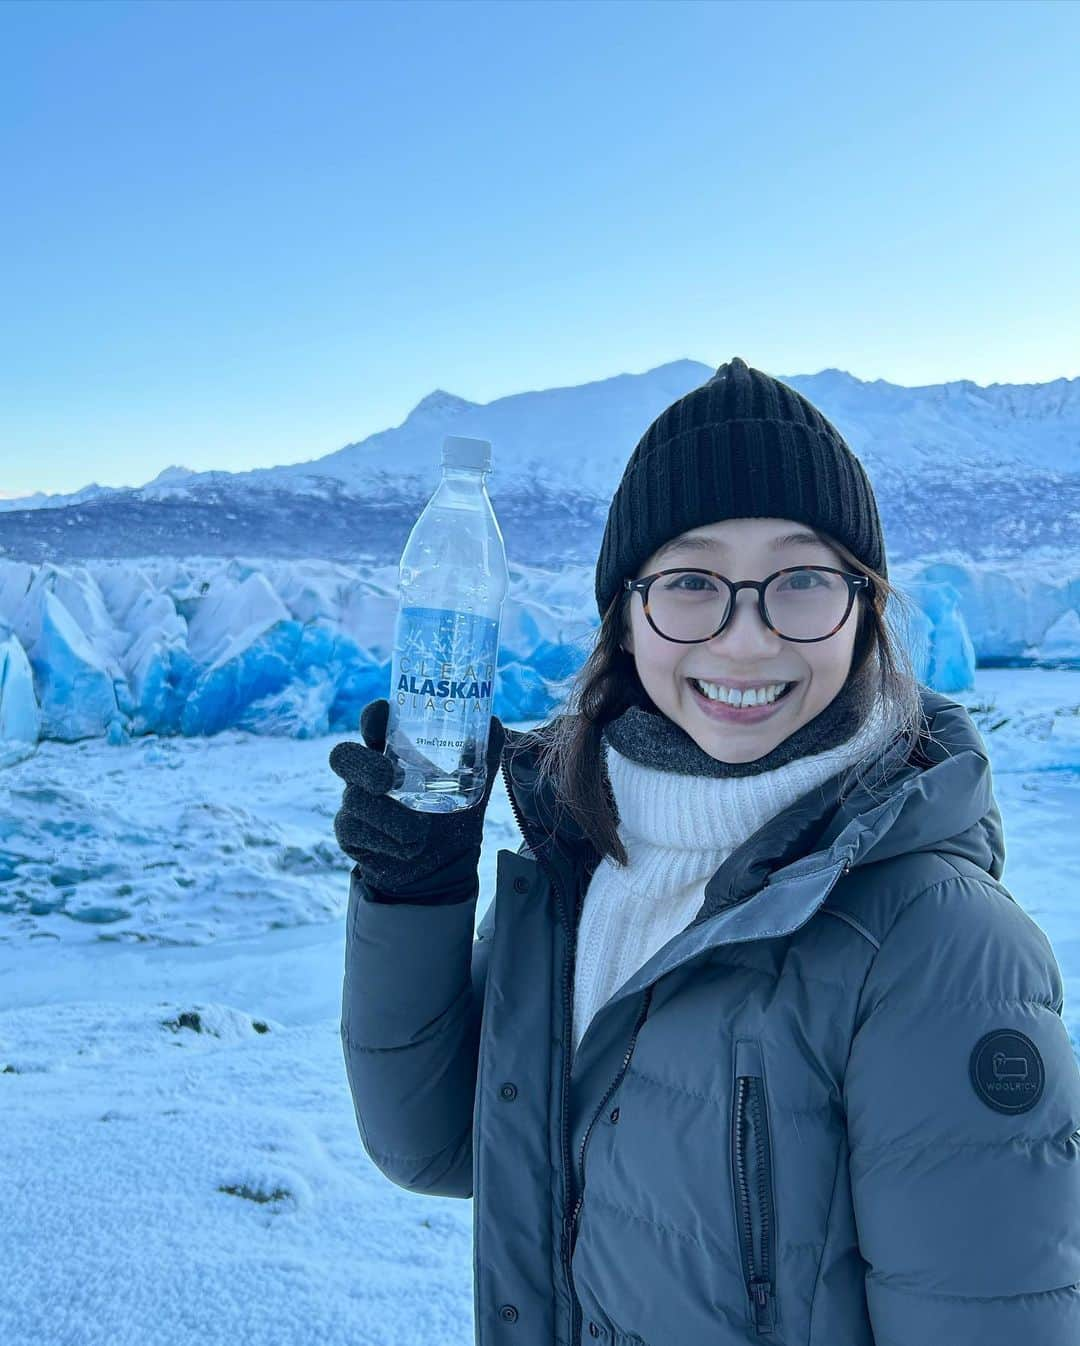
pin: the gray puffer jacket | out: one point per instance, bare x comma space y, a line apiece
839, 1108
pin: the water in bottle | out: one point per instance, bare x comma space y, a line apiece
452, 582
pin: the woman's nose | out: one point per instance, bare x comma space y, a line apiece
744, 628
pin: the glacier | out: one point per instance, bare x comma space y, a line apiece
20, 714
120, 648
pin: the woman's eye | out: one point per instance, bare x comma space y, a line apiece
805, 579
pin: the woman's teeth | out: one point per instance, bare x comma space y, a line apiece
755, 696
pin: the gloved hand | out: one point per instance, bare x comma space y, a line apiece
403, 853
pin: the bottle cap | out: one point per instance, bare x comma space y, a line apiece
460, 451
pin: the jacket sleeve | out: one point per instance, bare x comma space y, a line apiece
410, 1029
967, 1210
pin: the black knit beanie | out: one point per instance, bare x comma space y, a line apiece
743, 445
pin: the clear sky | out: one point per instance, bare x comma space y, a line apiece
240, 234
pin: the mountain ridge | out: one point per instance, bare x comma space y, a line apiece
876, 416
1001, 465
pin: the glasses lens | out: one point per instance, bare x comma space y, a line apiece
806, 604
688, 606
802, 604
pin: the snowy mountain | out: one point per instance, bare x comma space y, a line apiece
168, 477
1001, 465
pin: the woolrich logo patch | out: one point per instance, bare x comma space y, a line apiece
1007, 1070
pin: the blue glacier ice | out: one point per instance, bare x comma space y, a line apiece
943, 656
121, 649
1011, 610
75, 690
20, 714
251, 668
1061, 643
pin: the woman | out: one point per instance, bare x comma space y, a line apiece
752, 1043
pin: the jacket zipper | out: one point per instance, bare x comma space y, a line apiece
643, 1014
568, 1028
750, 1112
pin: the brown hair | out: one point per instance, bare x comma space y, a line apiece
570, 754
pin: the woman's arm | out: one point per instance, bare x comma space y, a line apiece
965, 1147
410, 1029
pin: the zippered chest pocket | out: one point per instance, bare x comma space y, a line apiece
752, 1184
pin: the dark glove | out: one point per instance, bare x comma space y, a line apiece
404, 854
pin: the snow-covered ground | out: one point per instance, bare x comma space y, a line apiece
180, 1157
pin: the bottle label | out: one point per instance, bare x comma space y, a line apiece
444, 667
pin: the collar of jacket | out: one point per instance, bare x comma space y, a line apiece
940, 799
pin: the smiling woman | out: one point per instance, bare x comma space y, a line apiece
767, 484
687, 638
726, 1059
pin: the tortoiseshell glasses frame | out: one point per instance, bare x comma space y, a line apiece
855, 583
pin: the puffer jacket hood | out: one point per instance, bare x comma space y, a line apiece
947, 805
839, 1108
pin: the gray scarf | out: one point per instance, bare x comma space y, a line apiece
649, 737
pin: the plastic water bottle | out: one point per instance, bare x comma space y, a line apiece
453, 580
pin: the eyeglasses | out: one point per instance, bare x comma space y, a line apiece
800, 603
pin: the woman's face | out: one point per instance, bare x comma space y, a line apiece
746, 651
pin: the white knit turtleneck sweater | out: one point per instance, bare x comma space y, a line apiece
677, 830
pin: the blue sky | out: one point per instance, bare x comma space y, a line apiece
239, 234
